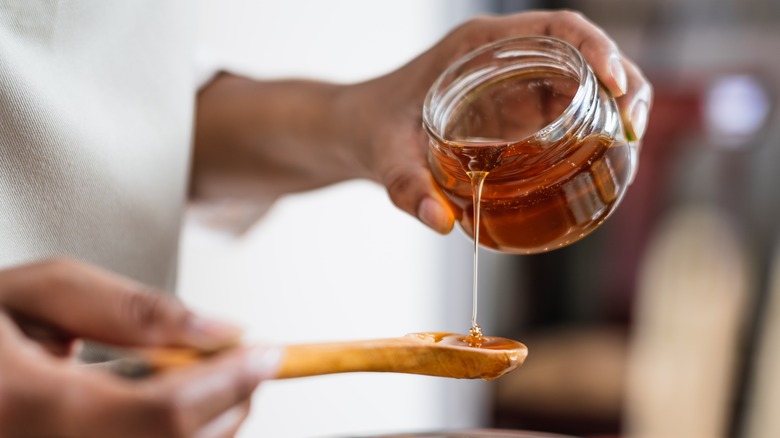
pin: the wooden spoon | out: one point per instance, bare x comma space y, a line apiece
432, 354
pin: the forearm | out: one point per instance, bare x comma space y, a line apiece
256, 139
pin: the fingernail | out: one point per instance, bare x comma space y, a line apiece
618, 73
638, 119
211, 334
264, 361
434, 215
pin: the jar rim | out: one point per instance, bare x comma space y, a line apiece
580, 66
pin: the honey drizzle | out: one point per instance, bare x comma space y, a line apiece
475, 337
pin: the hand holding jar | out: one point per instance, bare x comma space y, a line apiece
526, 145
396, 146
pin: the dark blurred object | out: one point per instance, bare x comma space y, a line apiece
569, 385
694, 285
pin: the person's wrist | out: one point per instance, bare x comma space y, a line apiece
354, 119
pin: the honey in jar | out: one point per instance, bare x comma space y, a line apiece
523, 127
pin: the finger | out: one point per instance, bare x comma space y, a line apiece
411, 189
636, 103
201, 394
598, 49
11, 336
55, 341
98, 305
619, 75
14, 340
227, 424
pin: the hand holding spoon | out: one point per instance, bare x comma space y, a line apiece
432, 354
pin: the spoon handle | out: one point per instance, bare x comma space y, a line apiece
379, 355
300, 360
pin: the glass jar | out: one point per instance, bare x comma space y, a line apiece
525, 124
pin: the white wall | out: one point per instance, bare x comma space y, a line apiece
340, 263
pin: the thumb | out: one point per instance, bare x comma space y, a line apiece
94, 304
412, 190
404, 172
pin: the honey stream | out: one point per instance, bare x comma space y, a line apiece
475, 337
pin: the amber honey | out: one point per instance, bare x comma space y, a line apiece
530, 205
460, 340
542, 189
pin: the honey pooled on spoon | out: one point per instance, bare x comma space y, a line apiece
471, 356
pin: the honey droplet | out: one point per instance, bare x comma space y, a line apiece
475, 338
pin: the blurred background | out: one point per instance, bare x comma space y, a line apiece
665, 322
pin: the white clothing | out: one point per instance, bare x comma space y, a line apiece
96, 115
